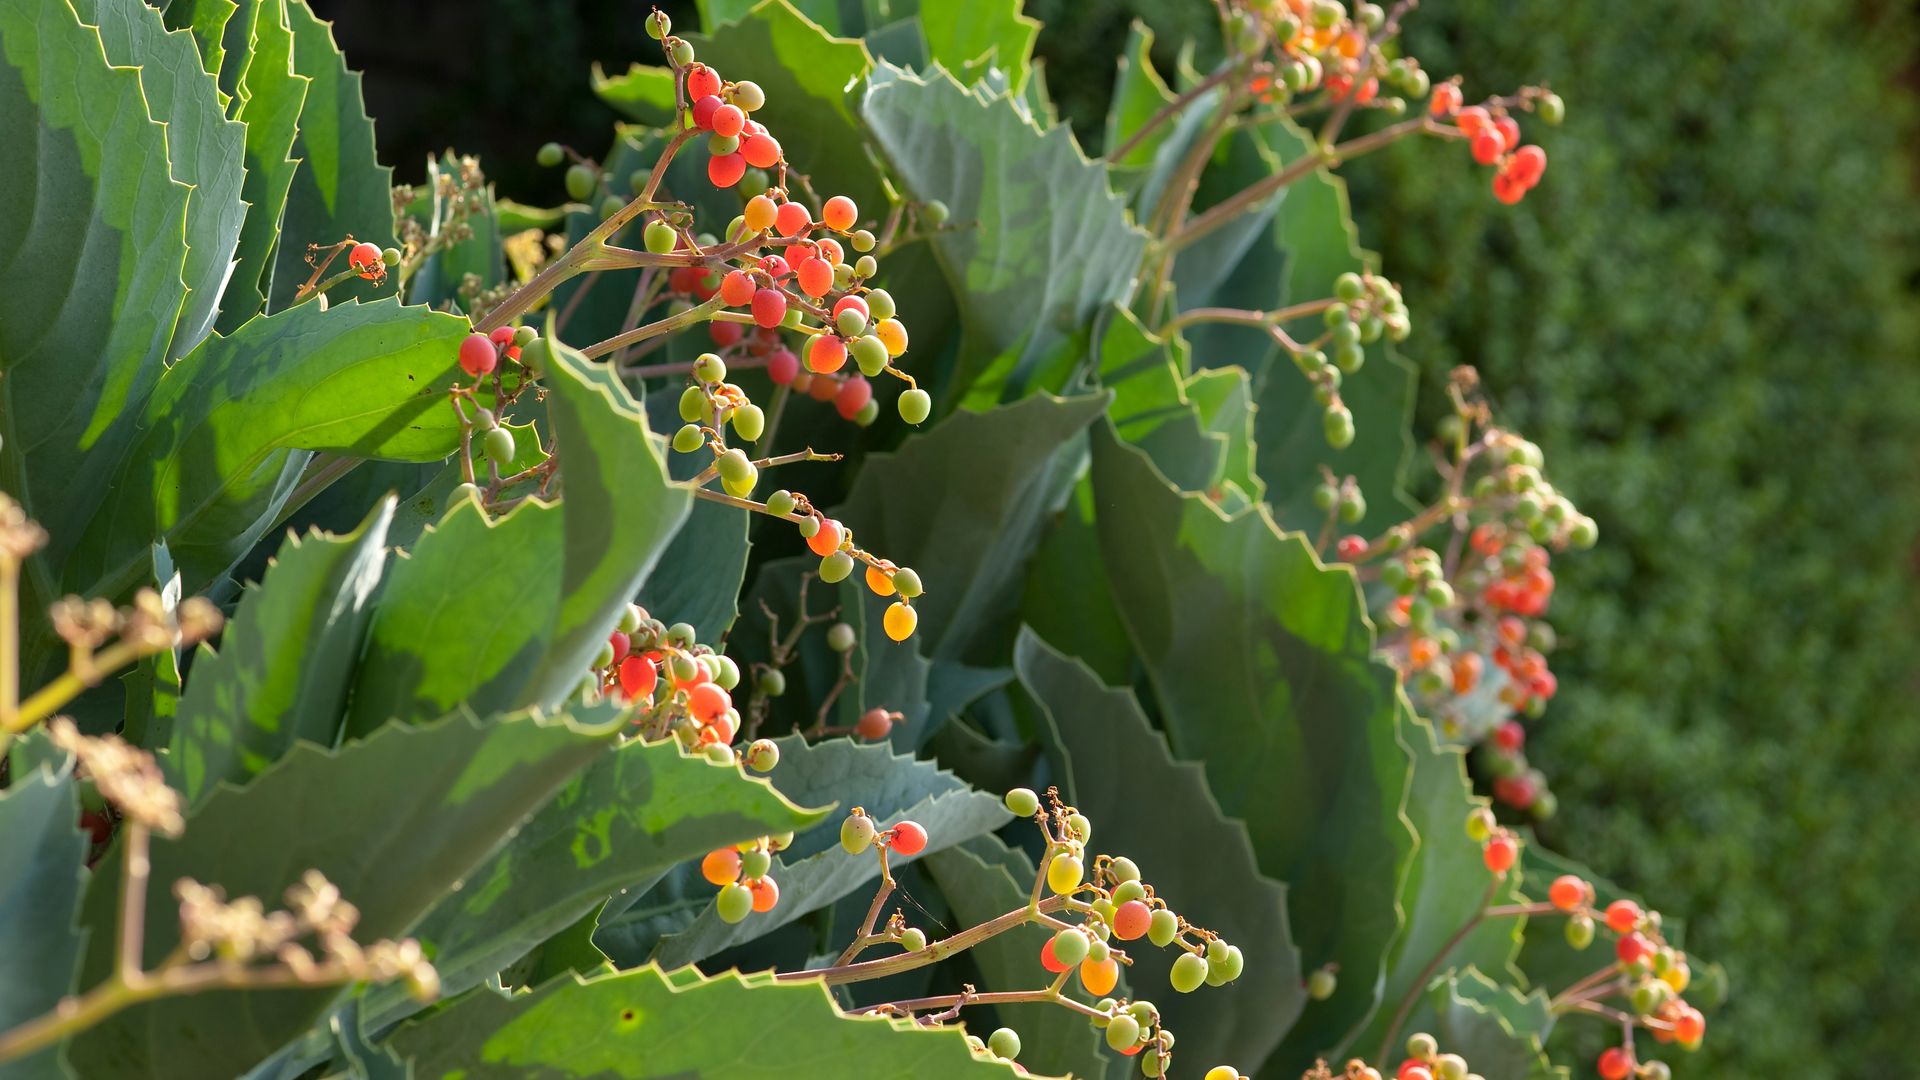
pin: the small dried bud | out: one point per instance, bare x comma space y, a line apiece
197, 619
127, 777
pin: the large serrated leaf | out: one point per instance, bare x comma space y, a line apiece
1138, 94
560, 576
204, 147
1148, 376
647, 1025
631, 816
1039, 242
225, 430
395, 821
1158, 811
340, 188
92, 246
1496, 1028
699, 576
268, 97
815, 871
1262, 663
42, 870
973, 37
286, 661
982, 880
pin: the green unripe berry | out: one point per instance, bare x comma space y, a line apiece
1123, 1031
603, 657
1124, 869
913, 939
781, 503
836, 568
1349, 358
753, 182
1552, 110
773, 682
1105, 1008
1580, 930
1422, 1046
1440, 594
976, 1044
762, 756
1098, 950
1450, 1067
1583, 533
1129, 890
915, 405
735, 902
550, 154
726, 673
868, 414
735, 466
581, 180
1349, 287
808, 526
1070, 946
1004, 1042
1022, 802
1150, 1065
755, 863
709, 368
1144, 1012
880, 304
842, 276
865, 267
682, 53
749, 422
722, 145
680, 635
1162, 927
610, 206
870, 353
689, 438
1229, 965
936, 213
659, 237
1321, 984
1345, 332
749, 96
856, 833
1324, 496
1339, 425
1353, 506
499, 445
906, 582
658, 25
1189, 971
840, 637
851, 322
1079, 828
862, 240
792, 319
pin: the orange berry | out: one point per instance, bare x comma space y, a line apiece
1099, 976
892, 334
880, 581
793, 219
826, 354
826, 540
761, 212
839, 213
1623, 916
765, 894
1567, 892
721, 866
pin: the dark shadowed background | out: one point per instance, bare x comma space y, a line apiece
1707, 318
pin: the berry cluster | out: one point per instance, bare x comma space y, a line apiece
1363, 308
1493, 138
677, 686
741, 871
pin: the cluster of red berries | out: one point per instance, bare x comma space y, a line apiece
1424, 1061
1319, 44
741, 871
1648, 974
677, 686
1493, 138
481, 353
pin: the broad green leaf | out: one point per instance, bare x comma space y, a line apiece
643, 1025
632, 815
340, 188
92, 246
224, 431
1496, 1028
643, 94
988, 33
557, 578
1224, 396
1150, 407
1038, 244
153, 686
1445, 884
982, 880
1262, 663
1138, 94
285, 663
268, 97
700, 574
715, 14
1157, 810
395, 820
1068, 599
204, 147
964, 504
815, 871
42, 870
1314, 229
206, 20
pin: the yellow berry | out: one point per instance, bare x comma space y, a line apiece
899, 621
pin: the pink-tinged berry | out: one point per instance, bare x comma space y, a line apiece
727, 120
826, 354
1567, 892
826, 539
1632, 948
792, 219
1446, 99
1614, 1064
478, 356
701, 81
909, 838
782, 366
501, 335
874, 725
726, 170
839, 213
761, 150
1351, 547
703, 111
366, 260
769, 307
1487, 147
1131, 920
725, 334
1623, 916
1500, 854
1049, 961
852, 397
1510, 736
736, 289
638, 677
620, 644
816, 276
775, 267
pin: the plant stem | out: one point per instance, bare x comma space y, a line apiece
932, 954
866, 935
695, 314
1420, 981
1170, 110
9, 647
133, 904
998, 997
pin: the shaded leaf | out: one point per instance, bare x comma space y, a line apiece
42, 870
268, 97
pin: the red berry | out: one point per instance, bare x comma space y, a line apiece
826, 354
765, 894
707, 701
725, 333
1049, 961
851, 301
782, 366
1510, 736
1614, 1064
816, 276
1509, 130
823, 389
726, 170
769, 307
775, 267
1623, 916
98, 825
831, 250
1500, 853
1413, 1070
637, 677
1567, 892
1689, 1026
501, 335
1516, 791
620, 645
852, 396
366, 258
701, 81
478, 355
1632, 948
1512, 631
727, 120
792, 219
1351, 547
703, 111
1487, 146
1508, 191
909, 838
826, 540
839, 213
1528, 165
760, 150
1446, 98
1472, 119
1131, 919
874, 724
736, 289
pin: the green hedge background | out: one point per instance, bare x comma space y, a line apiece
1706, 315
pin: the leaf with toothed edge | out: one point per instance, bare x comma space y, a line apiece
268, 97
42, 873
653, 1025
1499, 1030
